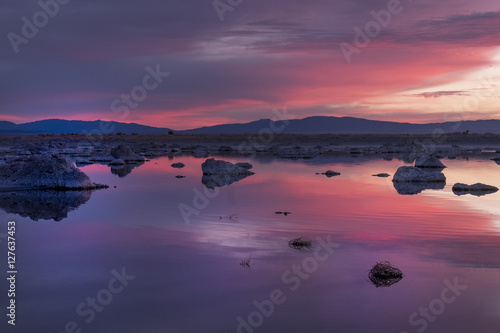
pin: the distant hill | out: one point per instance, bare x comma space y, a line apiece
350, 125
59, 126
310, 125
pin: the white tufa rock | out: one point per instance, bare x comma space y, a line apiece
413, 174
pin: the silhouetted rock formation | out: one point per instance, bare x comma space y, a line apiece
383, 274
218, 173
477, 189
412, 180
413, 174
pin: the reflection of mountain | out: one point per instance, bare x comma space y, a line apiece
220, 180
124, 170
417, 187
43, 204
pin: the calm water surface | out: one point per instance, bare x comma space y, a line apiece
187, 275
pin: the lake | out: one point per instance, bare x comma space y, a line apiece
159, 254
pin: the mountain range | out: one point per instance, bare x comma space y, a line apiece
310, 125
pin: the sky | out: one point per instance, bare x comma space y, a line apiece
184, 64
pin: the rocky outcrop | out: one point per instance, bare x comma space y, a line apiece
216, 167
43, 171
178, 165
412, 180
477, 189
126, 154
413, 174
218, 173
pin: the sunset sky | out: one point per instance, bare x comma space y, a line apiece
237, 60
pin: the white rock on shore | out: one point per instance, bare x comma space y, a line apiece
43, 171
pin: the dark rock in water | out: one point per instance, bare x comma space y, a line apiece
43, 204
382, 175
383, 274
218, 173
410, 188
477, 189
178, 165
43, 171
180, 176
425, 161
413, 174
300, 243
244, 165
329, 173
126, 154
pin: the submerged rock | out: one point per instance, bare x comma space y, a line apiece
383, 274
329, 173
178, 165
382, 175
300, 243
477, 189
413, 174
425, 161
44, 171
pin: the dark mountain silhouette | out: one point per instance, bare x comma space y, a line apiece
59, 126
310, 125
